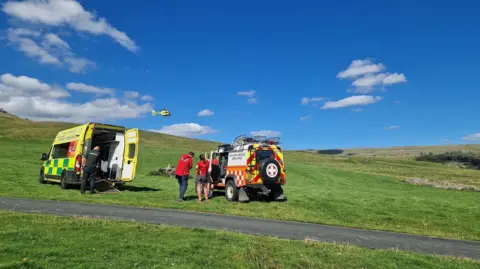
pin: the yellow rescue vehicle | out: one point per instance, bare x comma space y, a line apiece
118, 154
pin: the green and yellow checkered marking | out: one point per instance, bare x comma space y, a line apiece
56, 166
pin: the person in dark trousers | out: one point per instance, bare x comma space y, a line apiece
182, 172
89, 168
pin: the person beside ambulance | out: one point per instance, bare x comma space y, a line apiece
182, 172
89, 168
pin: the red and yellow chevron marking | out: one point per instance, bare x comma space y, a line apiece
240, 173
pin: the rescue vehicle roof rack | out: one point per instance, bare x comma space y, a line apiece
273, 141
245, 139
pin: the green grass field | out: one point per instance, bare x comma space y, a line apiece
355, 192
63, 242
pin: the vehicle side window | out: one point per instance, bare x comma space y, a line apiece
131, 151
86, 147
60, 151
49, 152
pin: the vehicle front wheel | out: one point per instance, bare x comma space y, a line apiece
42, 177
231, 191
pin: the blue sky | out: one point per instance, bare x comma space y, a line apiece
320, 75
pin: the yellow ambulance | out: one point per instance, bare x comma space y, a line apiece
118, 154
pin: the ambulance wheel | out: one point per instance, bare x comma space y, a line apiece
63, 181
231, 191
42, 177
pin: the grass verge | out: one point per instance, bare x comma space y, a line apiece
64, 242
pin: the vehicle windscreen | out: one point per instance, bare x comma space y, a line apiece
264, 154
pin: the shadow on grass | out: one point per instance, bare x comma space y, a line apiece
138, 189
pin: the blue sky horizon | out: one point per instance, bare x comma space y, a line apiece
317, 74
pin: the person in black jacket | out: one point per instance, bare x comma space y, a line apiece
89, 168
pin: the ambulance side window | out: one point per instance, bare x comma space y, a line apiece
50, 151
60, 151
131, 151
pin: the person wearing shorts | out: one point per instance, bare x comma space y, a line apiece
202, 179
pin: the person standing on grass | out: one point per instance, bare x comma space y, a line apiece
89, 169
182, 172
202, 180
209, 174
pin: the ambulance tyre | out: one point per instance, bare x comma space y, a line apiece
42, 177
231, 191
63, 181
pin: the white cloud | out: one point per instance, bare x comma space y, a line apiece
131, 94
393, 127
304, 118
267, 133
81, 87
357, 100
24, 32
306, 100
24, 86
360, 67
366, 75
53, 49
472, 137
205, 112
36, 100
78, 64
146, 98
186, 130
55, 40
66, 13
250, 93
251, 96
394, 79
369, 81
28, 46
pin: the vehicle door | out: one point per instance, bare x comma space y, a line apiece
130, 155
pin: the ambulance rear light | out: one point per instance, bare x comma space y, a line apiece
78, 163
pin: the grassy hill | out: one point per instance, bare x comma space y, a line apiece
340, 190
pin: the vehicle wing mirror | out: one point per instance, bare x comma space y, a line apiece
44, 157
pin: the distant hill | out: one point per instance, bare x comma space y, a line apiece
398, 151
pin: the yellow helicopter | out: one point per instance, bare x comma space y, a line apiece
163, 112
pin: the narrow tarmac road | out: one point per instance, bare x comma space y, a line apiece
283, 229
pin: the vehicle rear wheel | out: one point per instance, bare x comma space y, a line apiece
231, 191
63, 181
42, 177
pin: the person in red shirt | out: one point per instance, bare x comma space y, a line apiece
182, 172
202, 180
